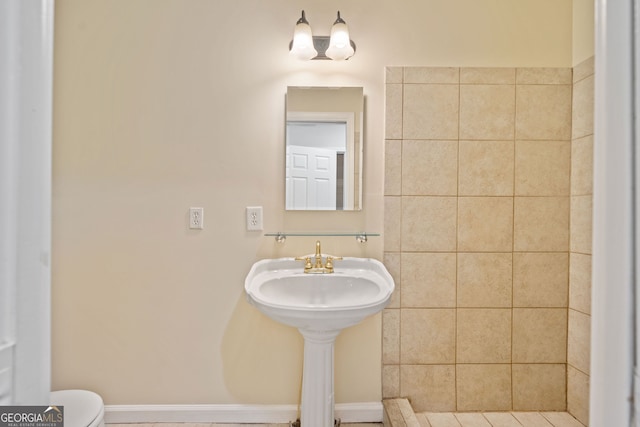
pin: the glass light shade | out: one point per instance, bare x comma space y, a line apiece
302, 44
340, 44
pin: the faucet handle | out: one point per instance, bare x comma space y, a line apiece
329, 265
307, 262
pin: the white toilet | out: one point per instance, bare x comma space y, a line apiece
82, 408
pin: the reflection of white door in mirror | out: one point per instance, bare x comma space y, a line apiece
311, 178
320, 161
327, 118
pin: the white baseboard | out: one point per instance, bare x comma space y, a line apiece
125, 414
363, 412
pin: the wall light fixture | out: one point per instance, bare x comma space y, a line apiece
306, 46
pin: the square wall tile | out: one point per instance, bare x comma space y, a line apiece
427, 336
392, 223
539, 387
428, 224
543, 168
581, 223
391, 260
429, 168
428, 280
540, 279
430, 111
579, 341
483, 335
584, 69
390, 336
486, 168
483, 387
393, 74
390, 381
484, 280
543, 112
578, 394
544, 76
539, 335
432, 75
582, 166
583, 107
487, 111
541, 224
393, 167
393, 111
580, 282
485, 224
493, 76
429, 387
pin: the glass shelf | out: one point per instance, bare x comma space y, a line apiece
361, 236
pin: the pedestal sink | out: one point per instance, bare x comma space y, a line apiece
320, 306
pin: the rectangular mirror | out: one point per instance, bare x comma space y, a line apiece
324, 148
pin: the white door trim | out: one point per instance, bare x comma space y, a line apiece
613, 239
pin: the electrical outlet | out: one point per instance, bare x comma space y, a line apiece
196, 218
254, 218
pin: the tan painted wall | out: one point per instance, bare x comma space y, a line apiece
583, 30
160, 105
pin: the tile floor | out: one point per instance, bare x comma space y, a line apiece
498, 419
430, 419
228, 425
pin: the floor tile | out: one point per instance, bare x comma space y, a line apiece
174, 425
423, 421
430, 419
472, 420
502, 419
531, 419
561, 419
442, 419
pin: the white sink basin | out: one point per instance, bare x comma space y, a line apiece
358, 288
320, 306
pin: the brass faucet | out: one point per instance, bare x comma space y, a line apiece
317, 267
318, 256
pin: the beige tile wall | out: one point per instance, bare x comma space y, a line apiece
479, 205
578, 345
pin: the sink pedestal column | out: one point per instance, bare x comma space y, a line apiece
316, 409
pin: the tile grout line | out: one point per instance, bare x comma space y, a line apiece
455, 318
513, 224
400, 301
